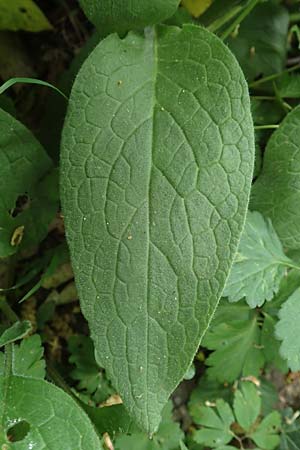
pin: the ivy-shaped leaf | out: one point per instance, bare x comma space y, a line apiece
22, 15
287, 330
30, 185
124, 15
276, 192
259, 264
155, 184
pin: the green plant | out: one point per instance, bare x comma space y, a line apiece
157, 171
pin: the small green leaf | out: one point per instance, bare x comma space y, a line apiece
91, 379
271, 344
260, 41
266, 435
155, 184
31, 198
123, 15
247, 405
290, 434
22, 15
216, 431
207, 390
289, 85
17, 331
276, 191
28, 359
259, 264
237, 349
287, 330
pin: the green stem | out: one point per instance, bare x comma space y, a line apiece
7, 310
291, 265
263, 97
218, 23
273, 77
265, 127
239, 19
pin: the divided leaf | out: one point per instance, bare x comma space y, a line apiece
124, 15
247, 405
266, 434
237, 347
30, 199
219, 423
154, 184
276, 192
216, 431
287, 330
259, 264
27, 360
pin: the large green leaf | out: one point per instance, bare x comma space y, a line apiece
276, 193
124, 15
287, 330
28, 201
155, 184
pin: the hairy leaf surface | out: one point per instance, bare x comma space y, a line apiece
124, 15
155, 184
276, 192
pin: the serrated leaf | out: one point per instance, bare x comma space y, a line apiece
276, 191
246, 405
22, 15
260, 41
87, 372
154, 192
287, 330
27, 359
123, 15
17, 331
259, 264
30, 200
216, 431
196, 7
271, 344
236, 349
266, 435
